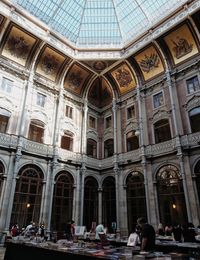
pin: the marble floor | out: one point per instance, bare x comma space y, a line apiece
2, 251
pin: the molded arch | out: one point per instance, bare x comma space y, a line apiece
159, 167
64, 173
26, 166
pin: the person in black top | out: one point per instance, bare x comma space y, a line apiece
148, 235
189, 232
70, 230
177, 232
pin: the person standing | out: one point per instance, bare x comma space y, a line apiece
70, 230
148, 235
99, 229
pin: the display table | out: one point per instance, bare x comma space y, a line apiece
19, 250
28, 251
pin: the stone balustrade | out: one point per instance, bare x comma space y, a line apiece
12, 141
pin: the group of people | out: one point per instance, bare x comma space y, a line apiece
31, 230
145, 234
181, 233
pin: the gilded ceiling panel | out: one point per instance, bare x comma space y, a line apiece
75, 79
18, 46
100, 94
124, 79
98, 65
181, 44
49, 64
149, 62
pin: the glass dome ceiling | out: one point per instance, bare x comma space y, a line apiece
92, 23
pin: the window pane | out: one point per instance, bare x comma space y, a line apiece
36, 133
92, 122
3, 123
66, 142
91, 148
69, 111
41, 99
108, 148
158, 100
195, 123
192, 84
162, 131
130, 112
108, 122
6, 85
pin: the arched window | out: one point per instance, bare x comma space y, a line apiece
91, 148
62, 201
4, 118
90, 213
28, 193
171, 198
36, 131
67, 141
109, 203
197, 174
136, 201
162, 131
194, 115
1, 177
108, 148
132, 141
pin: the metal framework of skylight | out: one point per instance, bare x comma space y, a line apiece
90, 23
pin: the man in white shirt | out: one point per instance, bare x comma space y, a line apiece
99, 229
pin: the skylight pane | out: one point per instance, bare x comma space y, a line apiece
99, 18
100, 22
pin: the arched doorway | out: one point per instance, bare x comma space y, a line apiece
28, 194
171, 198
62, 201
90, 213
136, 201
109, 203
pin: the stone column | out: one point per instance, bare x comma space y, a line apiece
74, 203
51, 189
116, 171
77, 197
11, 190
83, 171
185, 188
5, 198
100, 217
84, 127
45, 197
114, 109
178, 147
142, 154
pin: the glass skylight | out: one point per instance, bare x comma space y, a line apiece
88, 23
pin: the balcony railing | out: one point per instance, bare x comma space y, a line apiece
37, 148
12, 141
160, 148
190, 140
8, 141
